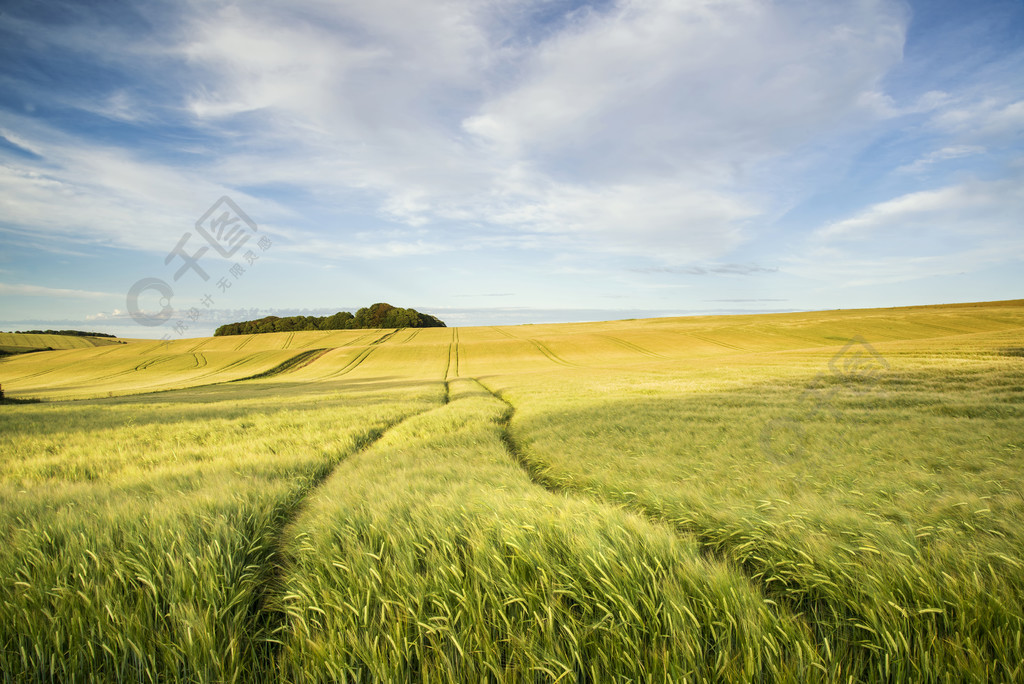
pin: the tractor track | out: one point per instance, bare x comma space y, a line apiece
351, 365
552, 356
719, 343
385, 337
632, 347
361, 356
355, 342
542, 475
265, 607
451, 370
244, 342
289, 365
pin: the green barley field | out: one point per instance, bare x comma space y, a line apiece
818, 497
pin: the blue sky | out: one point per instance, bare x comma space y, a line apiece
504, 161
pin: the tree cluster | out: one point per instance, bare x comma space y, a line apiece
379, 315
73, 333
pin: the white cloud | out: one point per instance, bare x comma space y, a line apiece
694, 85
956, 229
631, 130
842, 269
120, 105
992, 119
977, 208
42, 291
83, 193
660, 218
341, 68
944, 154
884, 106
19, 141
624, 131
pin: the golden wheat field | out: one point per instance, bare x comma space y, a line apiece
814, 497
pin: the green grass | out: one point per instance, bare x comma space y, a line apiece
140, 538
696, 499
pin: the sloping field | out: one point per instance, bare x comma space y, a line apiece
825, 497
18, 343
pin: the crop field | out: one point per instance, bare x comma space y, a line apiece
816, 497
13, 343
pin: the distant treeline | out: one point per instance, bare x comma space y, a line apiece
379, 315
73, 333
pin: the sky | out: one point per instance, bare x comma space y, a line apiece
504, 161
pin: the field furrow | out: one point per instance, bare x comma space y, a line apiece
300, 360
454, 360
632, 347
246, 340
353, 364
711, 340
359, 340
550, 355
411, 336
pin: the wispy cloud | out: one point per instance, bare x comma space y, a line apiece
40, 291
991, 118
575, 149
983, 209
716, 269
938, 156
